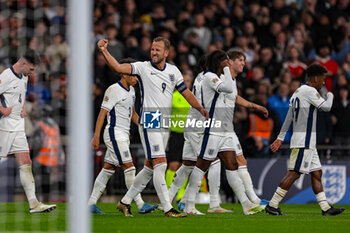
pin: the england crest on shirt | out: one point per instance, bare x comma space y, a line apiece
172, 77
334, 182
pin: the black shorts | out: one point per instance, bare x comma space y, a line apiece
175, 146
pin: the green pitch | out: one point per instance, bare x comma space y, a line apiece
14, 217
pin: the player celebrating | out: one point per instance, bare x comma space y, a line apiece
213, 89
13, 141
158, 80
190, 153
304, 158
237, 60
118, 103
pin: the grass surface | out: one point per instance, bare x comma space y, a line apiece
14, 217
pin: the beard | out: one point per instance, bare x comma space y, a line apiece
158, 61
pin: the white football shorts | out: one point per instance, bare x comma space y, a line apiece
191, 146
210, 145
231, 143
12, 143
154, 142
304, 160
117, 143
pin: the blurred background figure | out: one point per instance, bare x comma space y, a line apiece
48, 156
340, 118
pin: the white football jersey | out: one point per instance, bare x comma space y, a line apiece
196, 91
229, 100
212, 100
119, 102
157, 86
13, 89
194, 113
304, 103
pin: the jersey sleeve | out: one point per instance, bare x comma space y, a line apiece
212, 81
3, 83
110, 99
314, 97
180, 84
137, 68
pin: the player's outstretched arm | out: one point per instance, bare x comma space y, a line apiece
95, 143
111, 61
245, 103
135, 117
192, 100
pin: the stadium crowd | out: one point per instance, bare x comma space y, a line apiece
280, 39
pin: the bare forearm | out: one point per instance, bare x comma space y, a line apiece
111, 61
135, 117
192, 100
99, 122
245, 103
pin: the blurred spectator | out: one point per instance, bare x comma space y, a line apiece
266, 60
195, 51
115, 47
346, 66
280, 104
340, 81
242, 44
280, 46
323, 51
263, 130
36, 91
229, 36
102, 73
293, 64
295, 84
57, 53
340, 118
257, 74
203, 32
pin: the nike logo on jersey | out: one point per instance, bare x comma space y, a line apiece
14, 87
124, 99
152, 73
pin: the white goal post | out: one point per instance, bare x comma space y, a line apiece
79, 36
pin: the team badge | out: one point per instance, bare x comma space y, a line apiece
211, 151
172, 77
318, 95
215, 80
126, 154
106, 99
334, 182
156, 148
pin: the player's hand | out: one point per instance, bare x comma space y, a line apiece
204, 113
95, 143
102, 44
276, 145
6, 111
23, 113
263, 110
